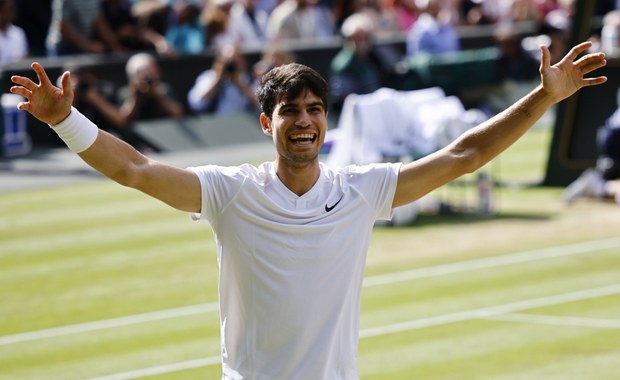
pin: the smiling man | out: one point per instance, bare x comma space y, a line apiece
292, 234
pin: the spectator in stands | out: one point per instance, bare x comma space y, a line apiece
79, 26
267, 5
300, 19
146, 96
34, 17
354, 69
434, 31
543, 7
248, 24
187, 35
524, 11
153, 14
406, 13
602, 181
225, 88
515, 63
341, 9
129, 33
13, 42
216, 19
557, 26
384, 16
610, 33
274, 55
96, 98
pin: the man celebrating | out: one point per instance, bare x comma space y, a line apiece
292, 234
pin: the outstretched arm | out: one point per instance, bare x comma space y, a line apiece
107, 154
481, 144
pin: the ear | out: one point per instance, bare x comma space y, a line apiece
265, 123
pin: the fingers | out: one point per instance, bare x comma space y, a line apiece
545, 58
24, 82
26, 85
576, 50
591, 62
44, 80
65, 82
594, 81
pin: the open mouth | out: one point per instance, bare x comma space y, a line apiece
302, 138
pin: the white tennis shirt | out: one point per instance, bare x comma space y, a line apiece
291, 267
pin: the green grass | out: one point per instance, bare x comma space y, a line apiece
76, 254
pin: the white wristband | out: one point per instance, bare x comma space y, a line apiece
76, 131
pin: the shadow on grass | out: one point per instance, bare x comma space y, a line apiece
465, 217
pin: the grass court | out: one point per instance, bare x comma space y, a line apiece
101, 282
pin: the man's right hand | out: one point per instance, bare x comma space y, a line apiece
44, 101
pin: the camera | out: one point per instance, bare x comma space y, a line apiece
230, 67
149, 81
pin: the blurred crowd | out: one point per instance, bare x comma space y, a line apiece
36, 28
145, 30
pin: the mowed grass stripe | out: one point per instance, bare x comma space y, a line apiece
465, 317
478, 349
478, 288
62, 219
109, 285
495, 261
81, 356
557, 320
122, 259
86, 236
66, 197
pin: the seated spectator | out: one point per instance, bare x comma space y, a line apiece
187, 35
557, 26
406, 13
274, 55
300, 19
602, 181
267, 5
13, 42
610, 41
515, 63
79, 26
433, 32
384, 16
356, 68
226, 87
153, 14
128, 32
34, 17
248, 24
146, 96
96, 99
216, 19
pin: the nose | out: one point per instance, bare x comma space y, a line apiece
303, 119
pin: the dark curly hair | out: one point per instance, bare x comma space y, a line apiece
286, 82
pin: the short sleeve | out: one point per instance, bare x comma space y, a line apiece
218, 187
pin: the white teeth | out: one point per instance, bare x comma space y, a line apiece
303, 136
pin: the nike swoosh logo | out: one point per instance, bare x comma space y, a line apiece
328, 208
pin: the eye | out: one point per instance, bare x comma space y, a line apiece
287, 110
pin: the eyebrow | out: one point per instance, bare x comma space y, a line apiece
317, 103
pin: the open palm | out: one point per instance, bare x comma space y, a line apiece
44, 101
568, 76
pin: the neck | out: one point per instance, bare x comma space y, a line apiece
298, 178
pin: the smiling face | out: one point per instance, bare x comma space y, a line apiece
293, 100
298, 128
